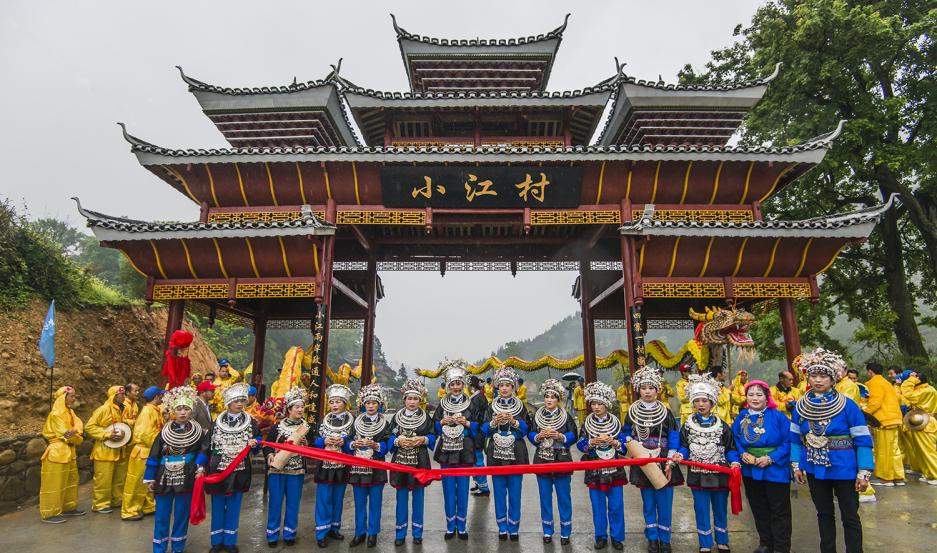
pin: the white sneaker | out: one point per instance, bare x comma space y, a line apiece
899, 482
922, 479
884, 484
870, 498
932, 482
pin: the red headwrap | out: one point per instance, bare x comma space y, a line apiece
181, 339
764, 385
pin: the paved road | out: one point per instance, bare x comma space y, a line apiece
904, 520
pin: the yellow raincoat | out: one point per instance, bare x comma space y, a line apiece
110, 464
623, 394
923, 442
137, 500
58, 490
686, 408
883, 405
579, 403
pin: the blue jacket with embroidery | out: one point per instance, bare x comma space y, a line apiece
845, 460
777, 435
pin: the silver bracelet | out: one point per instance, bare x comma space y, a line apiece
864, 474
795, 466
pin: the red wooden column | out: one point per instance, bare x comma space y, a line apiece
325, 309
588, 327
260, 339
174, 319
367, 341
627, 267
791, 337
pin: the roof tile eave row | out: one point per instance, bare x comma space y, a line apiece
403, 34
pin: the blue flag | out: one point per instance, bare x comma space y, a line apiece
47, 338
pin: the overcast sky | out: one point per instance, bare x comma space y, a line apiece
70, 70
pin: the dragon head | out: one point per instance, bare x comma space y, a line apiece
724, 326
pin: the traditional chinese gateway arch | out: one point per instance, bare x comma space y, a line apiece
478, 167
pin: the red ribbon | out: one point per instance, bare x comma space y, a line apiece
197, 513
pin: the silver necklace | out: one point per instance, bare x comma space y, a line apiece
181, 439
511, 406
646, 418
705, 443
551, 420
366, 428
451, 407
594, 428
409, 422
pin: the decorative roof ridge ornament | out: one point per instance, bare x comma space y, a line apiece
828, 138
133, 140
659, 84
403, 34
295, 86
637, 226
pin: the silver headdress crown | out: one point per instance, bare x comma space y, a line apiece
553, 386
823, 361
601, 392
372, 392
454, 371
646, 376
413, 387
294, 396
234, 392
505, 375
340, 391
703, 386
181, 396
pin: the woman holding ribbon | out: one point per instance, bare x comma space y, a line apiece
601, 437
506, 425
410, 441
332, 478
368, 440
762, 438
651, 423
553, 431
705, 438
454, 422
285, 480
831, 449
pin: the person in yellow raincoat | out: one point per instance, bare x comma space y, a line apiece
904, 452
785, 394
919, 394
253, 408
853, 390
110, 466
738, 392
58, 488
623, 395
883, 405
522, 392
227, 376
137, 501
724, 405
489, 390
579, 401
686, 408
131, 407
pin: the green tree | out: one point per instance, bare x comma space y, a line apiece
871, 63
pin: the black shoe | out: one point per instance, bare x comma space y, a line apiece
665, 547
653, 546
481, 493
564, 541
503, 537
547, 539
336, 535
417, 541
449, 536
357, 540
762, 549
601, 543
272, 544
372, 541
617, 545
216, 549
515, 537
231, 548
79, 512
322, 544
289, 543
399, 541
463, 536
723, 549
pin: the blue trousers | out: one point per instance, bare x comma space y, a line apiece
225, 518
480, 481
455, 493
177, 507
368, 509
280, 487
329, 498
546, 486
608, 513
403, 512
507, 490
658, 512
718, 501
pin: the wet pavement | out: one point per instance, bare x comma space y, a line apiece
903, 520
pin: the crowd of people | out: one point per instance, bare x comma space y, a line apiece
829, 432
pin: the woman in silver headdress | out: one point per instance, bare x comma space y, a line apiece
231, 432
332, 478
552, 431
705, 438
368, 439
456, 426
286, 483
653, 425
410, 441
601, 437
507, 423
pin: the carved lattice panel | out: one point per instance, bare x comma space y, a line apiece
164, 292
605, 266
241, 217
700, 215
368, 217
771, 289
610, 324
598, 217
683, 290
347, 324
276, 290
